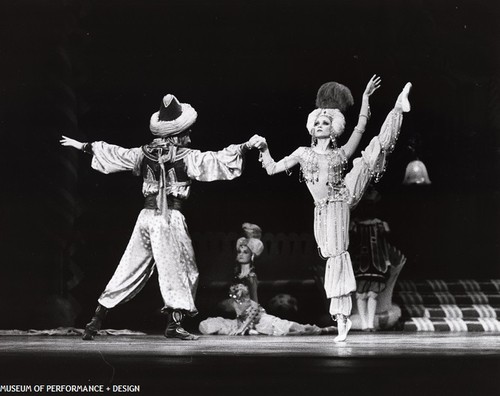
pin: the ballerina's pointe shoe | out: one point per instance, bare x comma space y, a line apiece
403, 102
344, 328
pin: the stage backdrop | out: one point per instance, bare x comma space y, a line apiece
97, 70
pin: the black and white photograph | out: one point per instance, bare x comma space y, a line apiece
250, 197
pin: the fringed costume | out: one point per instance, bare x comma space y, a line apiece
322, 169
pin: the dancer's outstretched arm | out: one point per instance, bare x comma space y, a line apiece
107, 158
225, 164
364, 114
68, 142
268, 163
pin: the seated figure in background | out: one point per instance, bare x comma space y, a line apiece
248, 248
251, 318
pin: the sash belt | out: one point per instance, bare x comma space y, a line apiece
173, 202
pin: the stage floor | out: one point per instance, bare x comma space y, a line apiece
376, 363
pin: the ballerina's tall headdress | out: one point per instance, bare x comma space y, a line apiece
332, 100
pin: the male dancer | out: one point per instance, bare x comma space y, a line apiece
160, 238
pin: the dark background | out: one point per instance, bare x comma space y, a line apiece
97, 70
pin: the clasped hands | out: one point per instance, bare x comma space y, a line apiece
258, 142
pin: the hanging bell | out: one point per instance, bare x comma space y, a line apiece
416, 173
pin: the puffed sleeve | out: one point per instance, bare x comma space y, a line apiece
108, 158
226, 164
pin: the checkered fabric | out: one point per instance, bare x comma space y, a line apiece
449, 305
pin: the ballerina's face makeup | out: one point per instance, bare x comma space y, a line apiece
322, 127
244, 255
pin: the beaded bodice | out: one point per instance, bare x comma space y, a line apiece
323, 173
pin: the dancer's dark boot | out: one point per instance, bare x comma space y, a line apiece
95, 323
174, 327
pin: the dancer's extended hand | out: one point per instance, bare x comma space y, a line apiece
372, 85
258, 142
68, 142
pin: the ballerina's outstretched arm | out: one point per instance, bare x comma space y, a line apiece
268, 163
364, 114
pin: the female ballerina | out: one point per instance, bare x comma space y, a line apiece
248, 247
322, 167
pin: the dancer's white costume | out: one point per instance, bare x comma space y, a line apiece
157, 240
332, 214
160, 238
335, 196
